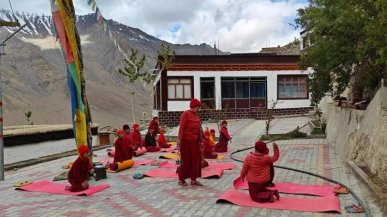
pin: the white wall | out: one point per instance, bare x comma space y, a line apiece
178, 105
271, 77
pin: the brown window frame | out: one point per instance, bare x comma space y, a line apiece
182, 84
291, 85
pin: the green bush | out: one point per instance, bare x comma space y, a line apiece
297, 133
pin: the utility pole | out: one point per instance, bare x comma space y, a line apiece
2, 46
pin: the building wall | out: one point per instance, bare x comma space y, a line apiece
271, 77
172, 118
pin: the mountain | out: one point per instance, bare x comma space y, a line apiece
34, 72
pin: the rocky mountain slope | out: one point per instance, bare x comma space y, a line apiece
34, 73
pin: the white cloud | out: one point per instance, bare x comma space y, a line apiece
239, 25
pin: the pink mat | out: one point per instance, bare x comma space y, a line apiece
59, 188
318, 204
163, 173
293, 188
223, 166
143, 162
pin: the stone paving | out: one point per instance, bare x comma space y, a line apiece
163, 197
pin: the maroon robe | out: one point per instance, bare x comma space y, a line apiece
123, 150
78, 174
190, 135
259, 193
224, 137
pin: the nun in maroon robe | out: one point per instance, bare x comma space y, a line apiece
78, 175
190, 142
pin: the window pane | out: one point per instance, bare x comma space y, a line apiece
185, 81
257, 90
187, 91
292, 87
242, 90
171, 91
207, 90
179, 91
228, 90
173, 81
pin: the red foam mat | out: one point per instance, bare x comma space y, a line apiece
59, 188
171, 173
293, 188
318, 204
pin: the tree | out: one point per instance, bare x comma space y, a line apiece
349, 45
269, 117
28, 117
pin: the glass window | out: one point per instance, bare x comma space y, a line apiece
228, 89
207, 88
242, 89
179, 88
292, 87
257, 90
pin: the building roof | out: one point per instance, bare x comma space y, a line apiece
235, 62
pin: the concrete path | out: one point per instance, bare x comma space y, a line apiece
163, 197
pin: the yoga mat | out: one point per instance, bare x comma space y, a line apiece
143, 162
139, 151
174, 156
111, 153
163, 173
293, 188
122, 166
59, 188
319, 204
223, 166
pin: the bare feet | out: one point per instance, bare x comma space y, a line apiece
276, 194
195, 182
182, 183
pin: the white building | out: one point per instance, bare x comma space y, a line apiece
236, 85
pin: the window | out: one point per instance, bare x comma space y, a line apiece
292, 87
207, 88
228, 89
179, 88
242, 89
257, 90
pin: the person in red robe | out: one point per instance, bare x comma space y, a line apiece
150, 141
224, 137
78, 175
136, 136
190, 145
155, 125
123, 149
162, 140
208, 149
270, 182
256, 170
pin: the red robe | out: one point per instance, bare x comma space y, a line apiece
150, 143
224, 137
123, 150
136, 137
190, 135
208, 150
162, 141
78, 174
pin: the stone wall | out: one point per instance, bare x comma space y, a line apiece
172, 119
361, 136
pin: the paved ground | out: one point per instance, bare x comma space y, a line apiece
163, 197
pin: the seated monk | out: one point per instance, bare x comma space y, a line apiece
78, 175
150, 141
162, 140
208, 150
123, 149
224, 137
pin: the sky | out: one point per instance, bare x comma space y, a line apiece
236, 25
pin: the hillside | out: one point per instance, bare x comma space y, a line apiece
34, 72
